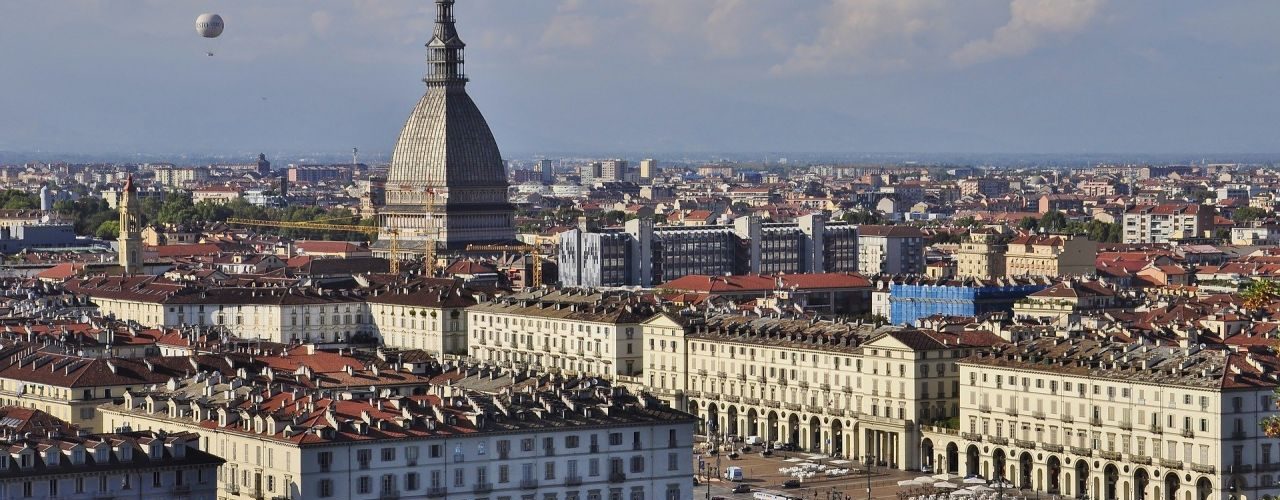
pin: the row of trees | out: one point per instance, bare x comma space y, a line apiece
92, 215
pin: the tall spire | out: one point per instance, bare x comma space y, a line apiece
444, 51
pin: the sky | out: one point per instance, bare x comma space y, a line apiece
638, 76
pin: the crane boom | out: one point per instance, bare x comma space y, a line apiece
317, 226
534, 253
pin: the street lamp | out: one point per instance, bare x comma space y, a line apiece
869, 461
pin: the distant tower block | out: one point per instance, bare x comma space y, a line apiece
447, 177
130, 242
648, 168
548, 172
46, 199
264, 166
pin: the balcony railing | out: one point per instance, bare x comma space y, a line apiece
751, 401
742, 377
1095, 421
792, 406
1054, 448
1110, 455
824, 386
1011, 411
1188, 433
1023, 443
528, 484
732, 399
617, 477
1082, 451
1066, 418
1038, 415
1238, 435
389, 495
1002, 441
1201, 468
573, 481
804, 384
1140, 459
1156, 429
702, 372
1126, 425
437, 492
722, 374
761, 379
1171, 464
971, 436
984, 408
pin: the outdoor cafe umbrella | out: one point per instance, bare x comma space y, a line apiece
944, 477
944, 484
975, 480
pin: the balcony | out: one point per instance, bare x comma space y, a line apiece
782, 381
742, 377
1054, 448
437, 492
1140, 459
1023, 443
751, 401
573, 481
837, 412
233, 488
695, 394
1011, 411
984, 408
1238, 435
1110, 455
1039, 415
804, 384
847, 389
182, 489
1156, 429
594, 448
1066, 419
1082, 451
1171, 464
617, 477
732, 399
1188, 433
792, 406
1126, 425
1201, 468
722, 374
702, 372
528, 484
772, 404
971, 436
389, 495
482, 488
1002, 441
1095, 421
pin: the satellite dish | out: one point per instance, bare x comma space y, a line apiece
209, 25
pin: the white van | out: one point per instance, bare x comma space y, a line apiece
754, 440
733, 473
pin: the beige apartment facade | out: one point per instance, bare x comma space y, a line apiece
1050, 255
840, 389
1113, 422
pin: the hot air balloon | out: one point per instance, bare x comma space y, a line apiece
209, 25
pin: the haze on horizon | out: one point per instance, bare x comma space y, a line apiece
928, 76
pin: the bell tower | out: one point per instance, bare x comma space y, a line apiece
130, 242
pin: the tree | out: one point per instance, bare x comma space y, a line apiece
108, 230
1053, 220
1245, 215
1260, 293
1028, 223
968, 221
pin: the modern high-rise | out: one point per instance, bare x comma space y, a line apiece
447, 182
548, 172
648, 168
613, 170
890, 250
643, 255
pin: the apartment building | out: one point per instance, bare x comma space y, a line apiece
589, 333
579, 440
422, 315
837, 388
982, 256
1169, 221
985, 186
1077, 417
1050, 255
890, 250
87, 466
640, 254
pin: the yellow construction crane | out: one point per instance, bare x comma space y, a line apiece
316, 226
534, 253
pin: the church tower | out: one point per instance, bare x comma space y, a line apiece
130, 242
447, 183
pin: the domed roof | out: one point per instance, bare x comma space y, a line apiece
445, 143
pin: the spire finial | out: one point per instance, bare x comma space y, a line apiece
444, 51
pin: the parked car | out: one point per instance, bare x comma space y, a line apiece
766, 453
791, 483
742, 488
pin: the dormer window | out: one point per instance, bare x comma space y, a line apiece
155, 451
25, 460
100, 455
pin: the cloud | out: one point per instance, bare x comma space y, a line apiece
1030, 22
871, 36
321, 21
570, 30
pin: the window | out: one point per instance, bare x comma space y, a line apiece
673, 462
436, 451
53, 486
550, 472
364, 485
526, 444
326, 459
411, 481
326, 488
504, 473
388, 454
637, 464
459, 477
155, 479
571, 442
615, 438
